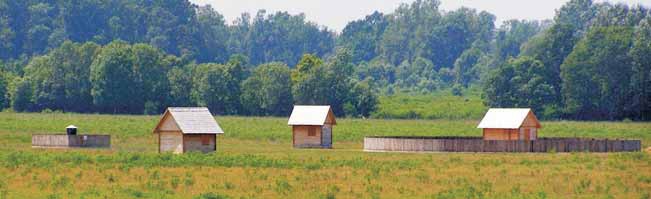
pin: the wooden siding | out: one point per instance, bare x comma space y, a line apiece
71, 141
168, 124
195, 142
501, 134
171, 142
524, 133
330, 119
477, 144
531, 121
301, 138
326, 136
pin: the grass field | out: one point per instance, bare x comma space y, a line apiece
255, 160
439, 105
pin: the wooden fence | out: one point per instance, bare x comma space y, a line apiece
69, 141
477, 144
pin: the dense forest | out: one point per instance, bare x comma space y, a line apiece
116, 56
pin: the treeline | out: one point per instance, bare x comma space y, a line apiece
592, 63
418, 48
34, 27
589, 62
134, 79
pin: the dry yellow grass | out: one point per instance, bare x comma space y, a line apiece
267, 167
379, 175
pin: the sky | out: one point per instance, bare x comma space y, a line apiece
335, 14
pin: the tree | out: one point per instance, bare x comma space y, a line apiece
596, 75
214, 34
180, 83
363, 36
285, 38
308, 81
115, 88
3, 91
21, 96
512, 34
150, 77
519, 83
316, 83
72, 61
363, 100
640, 102
212, 86
268, 91
464, 67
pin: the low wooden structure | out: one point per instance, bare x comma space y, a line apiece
312, 126
185, 129
509, 124
478, 144
71, 141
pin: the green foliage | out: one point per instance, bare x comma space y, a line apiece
640, 101
177, 27
114, 80
214, 86
21, 96
150, 75
363, 36
519, 83
61, 79
464, 67
268, 90
596, 75
512, 35
180, 82
330, 83
591, 65
142, 56
363, 100
3, 91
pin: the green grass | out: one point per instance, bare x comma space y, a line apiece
433, 106
255, 160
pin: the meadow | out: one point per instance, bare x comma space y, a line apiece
437, 105
255, 160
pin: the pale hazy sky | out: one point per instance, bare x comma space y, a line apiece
335, 14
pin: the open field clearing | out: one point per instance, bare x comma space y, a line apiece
255, 160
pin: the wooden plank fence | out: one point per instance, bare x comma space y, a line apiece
71, 141
477, 144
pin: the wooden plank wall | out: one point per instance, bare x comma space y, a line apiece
65, 141
195, 143
477, 144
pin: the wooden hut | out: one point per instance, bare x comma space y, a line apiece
312, 126
509, 124
187, 129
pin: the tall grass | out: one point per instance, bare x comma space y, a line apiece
431, 106
255, 160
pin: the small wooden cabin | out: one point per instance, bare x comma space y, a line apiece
312, 126
510, 124
185, 129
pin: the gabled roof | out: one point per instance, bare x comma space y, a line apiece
192, 120
505, 118
310, 115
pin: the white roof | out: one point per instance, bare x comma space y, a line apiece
309, 115
504, 118
195, 120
